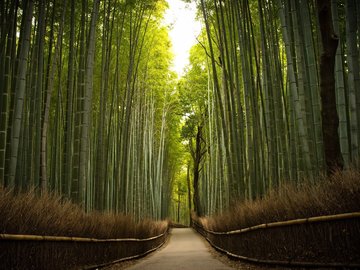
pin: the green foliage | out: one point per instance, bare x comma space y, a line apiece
193, 86
131, 114
251, 88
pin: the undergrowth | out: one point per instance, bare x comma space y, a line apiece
339, 193
51, 215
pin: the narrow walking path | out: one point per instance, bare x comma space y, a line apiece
186, 251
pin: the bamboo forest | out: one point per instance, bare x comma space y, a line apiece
265, 115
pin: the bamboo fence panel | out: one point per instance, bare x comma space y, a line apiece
59, 252
302, 239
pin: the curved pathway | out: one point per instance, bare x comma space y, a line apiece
186, 250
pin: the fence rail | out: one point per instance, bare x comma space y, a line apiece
325, 241
20, 237
125, 259
57, 252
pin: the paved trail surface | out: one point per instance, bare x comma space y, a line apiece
185, 251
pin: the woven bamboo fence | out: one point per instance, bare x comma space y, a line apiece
326, 241
55, 252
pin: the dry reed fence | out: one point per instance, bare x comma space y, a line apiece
327, 241
100, 238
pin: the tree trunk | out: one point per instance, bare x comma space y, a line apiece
330, 119
189, 191
197, 156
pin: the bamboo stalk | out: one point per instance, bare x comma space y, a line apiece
287, 223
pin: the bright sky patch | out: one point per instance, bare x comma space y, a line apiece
184, 28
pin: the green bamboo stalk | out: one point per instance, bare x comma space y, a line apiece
20, 92
353, 77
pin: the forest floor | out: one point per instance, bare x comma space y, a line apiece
187, 250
